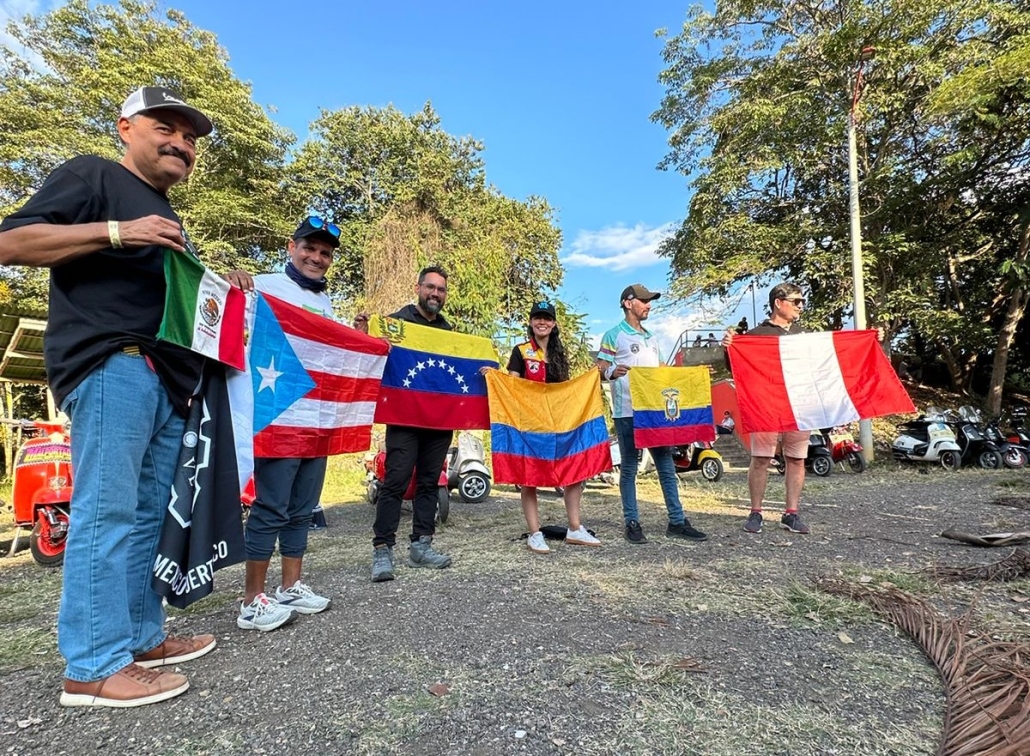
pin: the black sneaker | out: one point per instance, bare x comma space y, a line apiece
634, 533
793, 523
685, 531
754, 523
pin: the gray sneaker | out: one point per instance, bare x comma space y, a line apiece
422, 554
382, 564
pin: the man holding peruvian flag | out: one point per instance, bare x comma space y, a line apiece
798, 382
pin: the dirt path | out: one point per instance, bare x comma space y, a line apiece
579, 652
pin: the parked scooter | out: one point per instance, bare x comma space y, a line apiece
928, 439
976, 448
699, 456
819, 459
1018, 433
467, 470
42, 491
845, 450
375, 474
1013, 455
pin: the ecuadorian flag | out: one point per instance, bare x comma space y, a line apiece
671, 406
547, 434
432, 377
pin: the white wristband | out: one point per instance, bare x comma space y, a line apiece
113, 235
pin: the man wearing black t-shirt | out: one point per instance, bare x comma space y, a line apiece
102, 228
409, 450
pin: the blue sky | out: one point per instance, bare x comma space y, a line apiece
560, 94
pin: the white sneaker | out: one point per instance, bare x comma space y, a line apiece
298, 596
264, 614
581, 537
537, 544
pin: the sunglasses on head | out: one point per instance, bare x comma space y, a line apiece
796, 301
323, 225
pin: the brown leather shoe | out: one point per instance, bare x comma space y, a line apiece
130, 686
176, 649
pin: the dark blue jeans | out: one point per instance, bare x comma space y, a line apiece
662, 456
286, 492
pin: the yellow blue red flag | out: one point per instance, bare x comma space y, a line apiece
671, 406
547, 434
432, 377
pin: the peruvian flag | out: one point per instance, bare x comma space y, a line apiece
312, 382
813, 380
203, 312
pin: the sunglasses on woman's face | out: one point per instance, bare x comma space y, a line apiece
323, 225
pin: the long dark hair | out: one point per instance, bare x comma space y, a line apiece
557, 359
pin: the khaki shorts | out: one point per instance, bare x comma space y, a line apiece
795, 444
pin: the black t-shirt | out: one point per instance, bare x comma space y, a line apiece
111, 298
410, 314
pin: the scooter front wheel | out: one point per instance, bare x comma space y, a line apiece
711, 469
822, 466
474, 487
1014, 458
443, 504
989, 460
47, 542
856, 462
951, 460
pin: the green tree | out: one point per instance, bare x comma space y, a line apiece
757, 99
234, 204
407, 194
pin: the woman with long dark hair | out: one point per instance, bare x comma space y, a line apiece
543, 358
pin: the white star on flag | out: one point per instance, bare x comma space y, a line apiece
268, 376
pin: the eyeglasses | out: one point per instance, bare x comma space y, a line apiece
797, 301
433, 287
323, 225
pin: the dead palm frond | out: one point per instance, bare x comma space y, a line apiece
1013, 567
1019, 502
986, 681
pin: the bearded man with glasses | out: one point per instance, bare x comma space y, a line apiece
785, 306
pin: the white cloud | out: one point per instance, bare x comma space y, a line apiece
617, 248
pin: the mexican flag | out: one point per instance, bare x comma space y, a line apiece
203, 312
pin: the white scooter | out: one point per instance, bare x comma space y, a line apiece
466, 469
928, 439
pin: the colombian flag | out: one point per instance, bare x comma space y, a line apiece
547, 434
671, 406
432, 377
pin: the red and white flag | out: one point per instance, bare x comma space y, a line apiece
312, 382
813, 380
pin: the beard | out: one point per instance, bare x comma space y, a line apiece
432, 306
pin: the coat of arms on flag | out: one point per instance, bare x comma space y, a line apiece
813, 380
547, 434
671, 406
312, 382
432, 377
203, 312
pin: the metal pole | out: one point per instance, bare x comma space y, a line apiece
865, 427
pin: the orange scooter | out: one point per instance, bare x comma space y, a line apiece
42, 492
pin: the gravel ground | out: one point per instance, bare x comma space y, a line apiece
584, 651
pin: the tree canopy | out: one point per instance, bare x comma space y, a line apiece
757, 102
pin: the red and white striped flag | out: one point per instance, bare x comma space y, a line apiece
813, 380
312, 382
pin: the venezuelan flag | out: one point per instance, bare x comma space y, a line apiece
671, 406
432, 378
547, 434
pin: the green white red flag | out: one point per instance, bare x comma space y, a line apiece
203, 312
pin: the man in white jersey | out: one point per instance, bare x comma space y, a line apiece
288, 489
624, 347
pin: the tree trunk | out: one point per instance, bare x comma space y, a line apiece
1013, 315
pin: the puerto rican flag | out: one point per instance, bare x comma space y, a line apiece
813, 380
313, 382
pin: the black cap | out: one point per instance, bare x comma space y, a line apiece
543, 308
638, 291
146, 99
323, 229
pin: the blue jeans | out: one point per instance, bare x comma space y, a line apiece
662, 456
287, 491
125, 444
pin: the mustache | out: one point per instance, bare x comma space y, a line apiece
176, 153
